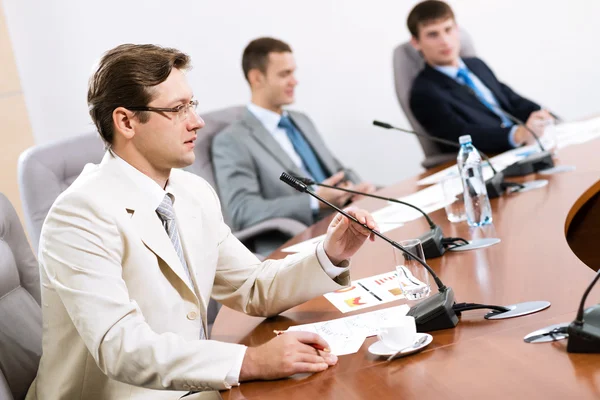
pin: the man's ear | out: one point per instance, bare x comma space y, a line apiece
256, 78
124, 122
415, 43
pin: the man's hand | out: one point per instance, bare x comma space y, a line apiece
536, 122
337, 197
345, 237
286, 355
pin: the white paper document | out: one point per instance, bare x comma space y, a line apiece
346, 335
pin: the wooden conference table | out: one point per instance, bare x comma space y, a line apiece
479, 358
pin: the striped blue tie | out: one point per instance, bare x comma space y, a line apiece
166, 213
302, 147
463, 74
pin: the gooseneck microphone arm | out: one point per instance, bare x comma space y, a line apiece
310, 182
579, 319
512, 118
432, 138
302, 187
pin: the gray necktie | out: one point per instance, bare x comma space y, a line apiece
167, 214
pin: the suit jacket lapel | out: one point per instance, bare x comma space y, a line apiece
153, 234
491, 85
144, 219
318, 147
456, 89
271, 146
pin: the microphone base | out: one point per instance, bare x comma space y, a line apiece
530, 164
495, 186
435, 312
519, 310
585, 338
432, 243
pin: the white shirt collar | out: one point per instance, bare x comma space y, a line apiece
144, 183
268, 118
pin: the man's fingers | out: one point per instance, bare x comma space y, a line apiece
310, 338
335, 178
301, 367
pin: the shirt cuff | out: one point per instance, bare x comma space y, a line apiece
331, 270
233, 376
511, 136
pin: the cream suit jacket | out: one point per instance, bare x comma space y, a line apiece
120, 318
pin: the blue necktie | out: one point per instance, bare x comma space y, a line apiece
463, 74
302, 147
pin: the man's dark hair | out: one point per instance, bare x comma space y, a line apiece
427, 12
125, 77
256, 54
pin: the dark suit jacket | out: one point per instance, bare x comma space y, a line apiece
448, 110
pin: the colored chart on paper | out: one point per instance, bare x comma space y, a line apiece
367, 292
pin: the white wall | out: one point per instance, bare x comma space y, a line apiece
545, 49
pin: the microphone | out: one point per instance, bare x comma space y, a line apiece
434, 243
584, 332
530, 164
438, 311
495, 186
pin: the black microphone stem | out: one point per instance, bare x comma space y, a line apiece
432, 224
296, 184
579, 319
433, 139
511, 117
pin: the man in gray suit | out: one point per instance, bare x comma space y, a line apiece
250, 154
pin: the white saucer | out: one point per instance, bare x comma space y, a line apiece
380, 349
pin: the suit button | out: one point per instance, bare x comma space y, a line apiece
192, 315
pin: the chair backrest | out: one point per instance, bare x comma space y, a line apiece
408, 62
20, 311
215, 122
45, 171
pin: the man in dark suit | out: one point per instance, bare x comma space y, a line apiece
452, 97
250, 154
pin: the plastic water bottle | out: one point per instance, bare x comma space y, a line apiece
477, 203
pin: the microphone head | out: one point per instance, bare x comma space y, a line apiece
293, 182
382, 124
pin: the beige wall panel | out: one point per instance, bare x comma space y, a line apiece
15, 137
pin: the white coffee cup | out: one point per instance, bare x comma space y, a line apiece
398, 333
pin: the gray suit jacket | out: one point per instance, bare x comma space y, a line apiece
248, 162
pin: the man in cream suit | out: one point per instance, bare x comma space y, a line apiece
131, 253
250, 154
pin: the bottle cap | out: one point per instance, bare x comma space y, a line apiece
465, 139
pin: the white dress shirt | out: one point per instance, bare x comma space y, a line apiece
156, 194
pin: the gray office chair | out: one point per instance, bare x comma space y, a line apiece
20, 311
408, 62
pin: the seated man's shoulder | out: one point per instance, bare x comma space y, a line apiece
475, 62
237, 129
422, 85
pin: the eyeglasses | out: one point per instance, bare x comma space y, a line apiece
182, 111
